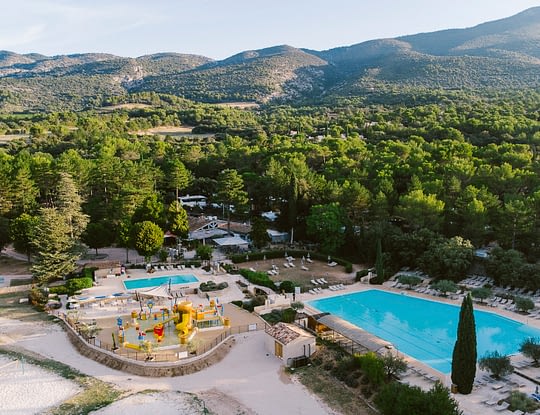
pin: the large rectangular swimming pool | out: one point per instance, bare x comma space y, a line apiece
157, 281
424, 329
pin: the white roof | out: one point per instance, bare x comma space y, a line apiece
230, 241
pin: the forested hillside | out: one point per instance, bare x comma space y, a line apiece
431, 181
495, 55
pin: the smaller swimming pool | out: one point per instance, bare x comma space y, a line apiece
157, 281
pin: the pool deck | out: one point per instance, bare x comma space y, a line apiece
418, 374
422, 375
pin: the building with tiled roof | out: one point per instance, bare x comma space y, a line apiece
287, 342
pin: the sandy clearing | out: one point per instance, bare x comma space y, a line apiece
27, 389
164, 403
248, 380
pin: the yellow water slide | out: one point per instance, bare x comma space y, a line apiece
185, 326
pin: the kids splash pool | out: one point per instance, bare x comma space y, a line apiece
157, 281
423, 329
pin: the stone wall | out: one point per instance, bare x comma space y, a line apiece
150, 369
15, 289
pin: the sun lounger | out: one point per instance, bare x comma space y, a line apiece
291, 265
319, 280
332, 288
286, 265
314, 282
492, 401
304, 268
253, 269
193, 267
312, 292
332, 264
309, 260
323, 280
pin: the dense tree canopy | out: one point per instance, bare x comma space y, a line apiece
432, 175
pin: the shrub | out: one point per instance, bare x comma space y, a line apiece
398, 399
524, 304
394, 365
373, 367
212, 286
531, 348
258, 300
287, 286
273, 317
88, 272
77, 284
521, 402
445, 286
481, 293
61, 289
499, 365
409, 280
288, 315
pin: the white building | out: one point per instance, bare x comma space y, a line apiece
288, 341
193, 201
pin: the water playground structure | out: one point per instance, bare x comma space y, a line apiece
169, 328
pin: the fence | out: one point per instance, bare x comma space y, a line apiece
157, 355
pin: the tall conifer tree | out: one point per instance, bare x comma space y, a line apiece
464, 355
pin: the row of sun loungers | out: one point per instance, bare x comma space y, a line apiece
320, 281
336, 287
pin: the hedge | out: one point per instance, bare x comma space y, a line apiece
258, 278
255, 256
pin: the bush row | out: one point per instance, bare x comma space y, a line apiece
72, 286
258, 278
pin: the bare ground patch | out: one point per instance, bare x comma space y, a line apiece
173, 131
13, 266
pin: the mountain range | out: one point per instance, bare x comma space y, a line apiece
500, 54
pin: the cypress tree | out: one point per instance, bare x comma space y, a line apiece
464, 355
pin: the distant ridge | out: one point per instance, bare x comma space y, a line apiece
500, 54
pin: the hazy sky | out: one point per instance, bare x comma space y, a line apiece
220, 28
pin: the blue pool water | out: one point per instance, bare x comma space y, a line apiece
423, 329
157, 281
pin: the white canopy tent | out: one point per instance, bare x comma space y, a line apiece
161, 291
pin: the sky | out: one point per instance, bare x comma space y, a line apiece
221, 28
